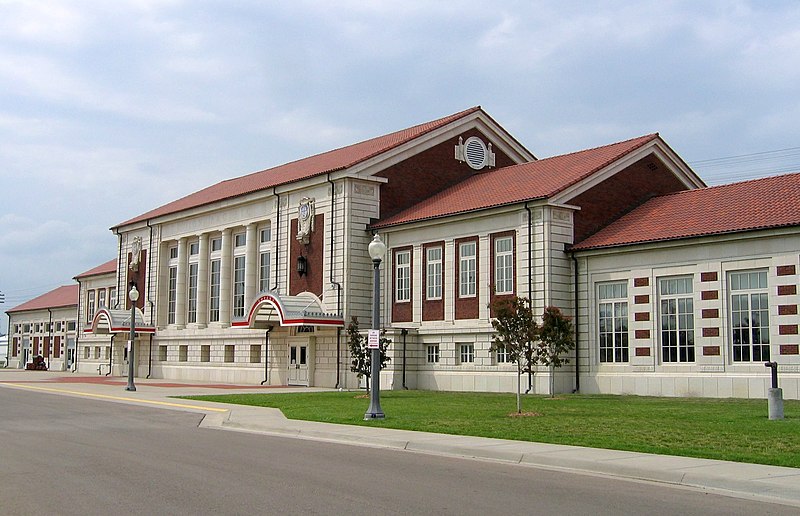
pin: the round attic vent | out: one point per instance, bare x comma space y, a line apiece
475, 152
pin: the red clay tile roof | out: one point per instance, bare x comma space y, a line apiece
58, 298
108, 267
319, 164
517, 183
749, 205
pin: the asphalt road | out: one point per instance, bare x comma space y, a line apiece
65, 455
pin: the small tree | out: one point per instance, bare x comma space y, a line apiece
360, 354
516, 332
555, 338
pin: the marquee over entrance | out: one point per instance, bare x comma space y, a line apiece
271, 308
107, 321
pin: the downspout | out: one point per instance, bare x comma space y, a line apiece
530, 278
150, 355
338, 285
577, 333
266, 355
77, 328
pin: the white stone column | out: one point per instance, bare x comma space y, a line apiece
226, 272
180, 285
202, 281
251, 265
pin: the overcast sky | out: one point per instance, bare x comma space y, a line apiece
111, 108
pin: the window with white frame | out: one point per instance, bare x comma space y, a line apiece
112, 297
504, 265
433, 353
613, 321
101, 298
238, 274
264, 258
501, 354
402, 267
749, 309
677, 319
214, 279
466, 353
172, 295
90, 305
433, 273
191, 314
467, 267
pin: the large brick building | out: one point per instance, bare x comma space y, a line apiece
675, 288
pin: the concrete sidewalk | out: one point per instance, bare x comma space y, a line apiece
752, 481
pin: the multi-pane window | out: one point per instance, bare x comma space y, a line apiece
112, 297
264, 259
101, 298
467, 353
216, 244
213, 291
677, 319
90, 306
172, 295
749, 316
433, 273
504, 265
467, 267
238, 274
194, 248
502, 354
192, 310
173, 253
433, 353
613, 321
402, 267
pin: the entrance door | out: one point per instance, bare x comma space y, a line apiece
298, 364
70, 352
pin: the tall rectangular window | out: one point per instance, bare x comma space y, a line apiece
213, 291
192, 291
467, 257
402, 276
749, 307
504, 265
112, 297
90, 306
172, 294
264, 259
613, 322
433, 271
101, 298
677, 319
238, 286
467, 353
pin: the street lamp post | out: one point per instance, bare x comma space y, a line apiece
134, 296
376, 251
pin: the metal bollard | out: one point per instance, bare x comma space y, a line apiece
774, 394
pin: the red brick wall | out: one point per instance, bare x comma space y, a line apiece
428, 172
314, 253
621, 193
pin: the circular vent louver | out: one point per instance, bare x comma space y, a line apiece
475, 152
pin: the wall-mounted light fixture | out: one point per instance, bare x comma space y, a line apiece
302, 265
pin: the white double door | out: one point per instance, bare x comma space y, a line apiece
299, 359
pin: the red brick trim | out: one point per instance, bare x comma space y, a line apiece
787, 309
787, 290
642, 334
790, 349
709, 295
710, 313
786, 270
641, 316
642, 352
711, 351
787, 329
708, 276
710, 332
641, 282
641, 300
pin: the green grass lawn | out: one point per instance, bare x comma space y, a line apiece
727, 429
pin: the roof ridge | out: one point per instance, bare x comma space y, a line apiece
649, 136
728, 185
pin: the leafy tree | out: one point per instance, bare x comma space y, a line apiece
516, 332
555, 338
360, 354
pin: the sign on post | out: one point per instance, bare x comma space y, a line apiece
374, 339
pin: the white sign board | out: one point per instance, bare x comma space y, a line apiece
374, 339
